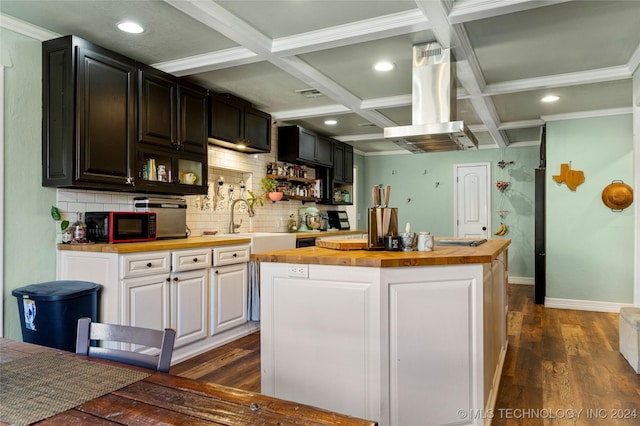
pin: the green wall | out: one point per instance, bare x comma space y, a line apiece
427, 180
589, 247
29, 237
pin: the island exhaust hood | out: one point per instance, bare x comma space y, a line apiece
434, 126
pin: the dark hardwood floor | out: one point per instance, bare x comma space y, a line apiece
235, 364
562, 367
564, 364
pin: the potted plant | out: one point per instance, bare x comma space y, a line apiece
253, 199
270, 187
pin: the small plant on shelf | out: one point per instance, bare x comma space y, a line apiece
270, 187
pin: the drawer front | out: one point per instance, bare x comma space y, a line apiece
189, 260
230, 255
149, 263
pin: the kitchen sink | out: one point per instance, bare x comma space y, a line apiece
264, 241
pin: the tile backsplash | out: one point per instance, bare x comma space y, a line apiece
233, 167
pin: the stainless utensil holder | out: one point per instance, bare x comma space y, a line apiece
376, 231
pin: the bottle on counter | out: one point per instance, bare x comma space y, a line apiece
79, 230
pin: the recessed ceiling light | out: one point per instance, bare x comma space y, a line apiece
330, 122
550, 98
384, 66
130, 27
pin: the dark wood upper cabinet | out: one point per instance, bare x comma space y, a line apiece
324, 151
342, 162
235, 124
105, 116
348, 164
192, 118
172, 113
299, 145
157, 108
257, 129
89, 122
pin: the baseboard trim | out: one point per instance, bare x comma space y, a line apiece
584, 305
522, 280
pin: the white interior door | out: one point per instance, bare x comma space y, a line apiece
472, 200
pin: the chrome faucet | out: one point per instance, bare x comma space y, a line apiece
232, 225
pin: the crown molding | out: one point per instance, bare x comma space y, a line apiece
26, 29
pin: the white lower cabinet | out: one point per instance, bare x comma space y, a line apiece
229, 290
189, 305
146, 302
403, 346
173, 299
170, 289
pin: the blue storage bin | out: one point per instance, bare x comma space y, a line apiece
49, 311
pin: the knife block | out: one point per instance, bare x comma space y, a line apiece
375, 233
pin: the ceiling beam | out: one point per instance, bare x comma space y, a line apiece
237, 30
381, 27
473, 10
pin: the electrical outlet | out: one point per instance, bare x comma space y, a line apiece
301, 271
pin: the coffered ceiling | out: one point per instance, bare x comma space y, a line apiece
305, 61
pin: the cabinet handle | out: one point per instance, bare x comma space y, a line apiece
195, 260
175, 279
235, 254
168, 279
216, 271
149, 265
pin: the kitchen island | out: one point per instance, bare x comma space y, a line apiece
403, 338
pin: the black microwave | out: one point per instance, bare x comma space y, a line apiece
120, 227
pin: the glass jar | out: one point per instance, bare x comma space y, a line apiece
78, 230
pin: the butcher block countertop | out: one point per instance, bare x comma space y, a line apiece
182, 243
322, 234
441, 255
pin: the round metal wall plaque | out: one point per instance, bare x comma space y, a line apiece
617, 195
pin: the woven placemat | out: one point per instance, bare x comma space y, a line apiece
45, 384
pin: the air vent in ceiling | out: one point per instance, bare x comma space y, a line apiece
367, 125
309, 92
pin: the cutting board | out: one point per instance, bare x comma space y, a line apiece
342, 244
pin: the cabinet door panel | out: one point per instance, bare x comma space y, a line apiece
193, 119
227, 122
348, 164
423, 351
189, 300
308, 141
146, 302
257, 129
311, 363
157, 109
338, 162
324, 152
229, 297
106, 120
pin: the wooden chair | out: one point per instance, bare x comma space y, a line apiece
162, 340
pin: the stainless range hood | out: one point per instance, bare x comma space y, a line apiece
434, 127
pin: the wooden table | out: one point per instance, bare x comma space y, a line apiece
167, 399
